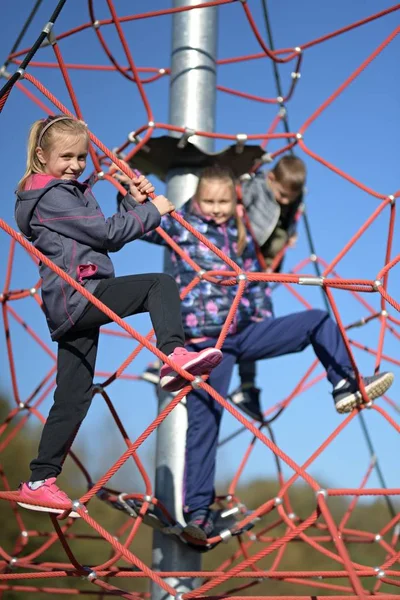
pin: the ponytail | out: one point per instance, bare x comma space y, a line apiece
33, 164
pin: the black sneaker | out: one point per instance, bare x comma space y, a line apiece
154, 516
248, 401
152, 373
348, 396
201, 523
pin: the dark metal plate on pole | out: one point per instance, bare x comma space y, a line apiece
162, 154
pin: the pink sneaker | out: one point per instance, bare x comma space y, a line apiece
49, 493
196, 363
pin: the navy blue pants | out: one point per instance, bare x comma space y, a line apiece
269, 338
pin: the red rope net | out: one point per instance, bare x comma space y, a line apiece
320, 530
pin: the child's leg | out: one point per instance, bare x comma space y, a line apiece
72, 399
246, 397
247, 373
156, 293
77, 351
293, 333
204, 417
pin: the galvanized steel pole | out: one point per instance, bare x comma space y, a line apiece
192, 105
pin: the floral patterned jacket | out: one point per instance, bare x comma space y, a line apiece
206, 307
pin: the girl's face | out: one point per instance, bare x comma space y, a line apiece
216, 199
66, 158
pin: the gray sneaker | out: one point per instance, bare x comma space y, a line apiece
348, 396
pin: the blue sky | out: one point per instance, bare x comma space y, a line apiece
357, 133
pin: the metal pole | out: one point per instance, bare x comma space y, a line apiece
192, 105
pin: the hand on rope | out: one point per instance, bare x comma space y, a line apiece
141, 189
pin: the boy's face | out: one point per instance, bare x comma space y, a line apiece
283, 195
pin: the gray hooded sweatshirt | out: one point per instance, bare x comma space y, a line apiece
64, 222
264, 212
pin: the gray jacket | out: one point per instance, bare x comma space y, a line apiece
64, 222
264, 212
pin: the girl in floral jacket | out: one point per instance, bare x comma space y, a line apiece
254, 335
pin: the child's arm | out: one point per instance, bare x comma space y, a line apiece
138, 190
261, 207
65, 209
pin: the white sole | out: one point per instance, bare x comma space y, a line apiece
374, 390
151, 378
55, 511
173, 376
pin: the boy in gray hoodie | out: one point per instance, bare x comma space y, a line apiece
271, 204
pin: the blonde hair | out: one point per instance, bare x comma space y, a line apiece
43, 134
225, 174
291, 172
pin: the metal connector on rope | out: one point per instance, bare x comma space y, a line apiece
241, 140
225, 535
131, 512
48, 27
90, 576
188, 133
97, 389
136, 139
377, 284
196, 382
266, 158
311, 280
51, 39
4, 73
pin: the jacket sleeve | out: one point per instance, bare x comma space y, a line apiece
255, 189
261, 207
67, 211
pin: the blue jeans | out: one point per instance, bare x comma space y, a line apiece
269, 338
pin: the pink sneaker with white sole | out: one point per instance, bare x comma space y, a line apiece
195, 363
47, 493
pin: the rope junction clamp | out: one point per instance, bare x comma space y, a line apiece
196, 382
311, 280
241, 140
188, 133
266, 158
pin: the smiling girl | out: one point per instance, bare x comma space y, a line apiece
61, 217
